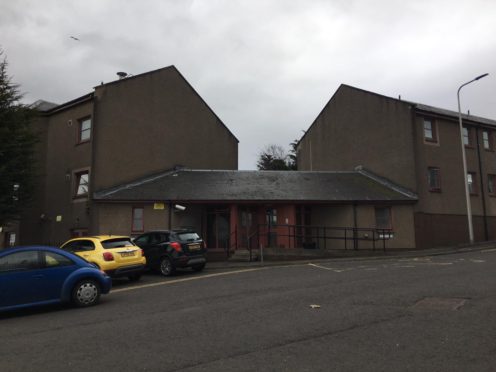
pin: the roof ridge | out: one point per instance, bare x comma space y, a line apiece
386, 182
140, 181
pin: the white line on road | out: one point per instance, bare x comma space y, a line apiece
186, 279
329, 268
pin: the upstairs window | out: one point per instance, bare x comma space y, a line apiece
487, 140
84, 130
434, 179
467, 141
82, 184
430, 133
491, 184
471, 181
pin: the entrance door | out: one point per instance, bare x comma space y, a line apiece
218, 228
271, 218
247, 228
303, 229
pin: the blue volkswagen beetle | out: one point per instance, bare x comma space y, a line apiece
38, 275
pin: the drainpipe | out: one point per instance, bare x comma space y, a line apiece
94, 208
355, 241
311, 155
483, 194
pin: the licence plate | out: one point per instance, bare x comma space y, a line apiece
127, 254
194, 247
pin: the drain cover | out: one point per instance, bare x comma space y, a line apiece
439, 303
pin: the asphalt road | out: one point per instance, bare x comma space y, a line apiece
409, 314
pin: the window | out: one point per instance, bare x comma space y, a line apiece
157, 238
466, 136
471, 181
117, 243
434, 179
56, 260
271, 216
142, 240
430, 134
79, 246
383, 218
188, 236
487, 140
20, 261
491, 183
82, 183
84, 130
138, 224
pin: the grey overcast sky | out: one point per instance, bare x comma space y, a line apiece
266, 67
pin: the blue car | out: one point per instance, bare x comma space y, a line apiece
38, 275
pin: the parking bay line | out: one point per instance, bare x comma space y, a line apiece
329, 268
186, 279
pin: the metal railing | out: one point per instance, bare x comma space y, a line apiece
317, 237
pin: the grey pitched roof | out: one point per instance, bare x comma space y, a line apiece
251, 186
74, 102
42, 105
454, 114
428, 108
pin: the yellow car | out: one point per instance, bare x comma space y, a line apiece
118, 256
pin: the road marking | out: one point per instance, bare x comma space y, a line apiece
488, 250
476, 261
422, 259
187, 279
329, 268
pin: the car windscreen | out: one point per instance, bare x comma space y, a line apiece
117, 243
188, 236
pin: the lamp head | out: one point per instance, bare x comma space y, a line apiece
481, 76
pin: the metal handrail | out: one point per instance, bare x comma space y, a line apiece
325, 233
249, 242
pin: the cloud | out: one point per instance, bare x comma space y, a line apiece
265, 67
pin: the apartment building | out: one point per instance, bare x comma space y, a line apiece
122, 130
418, 147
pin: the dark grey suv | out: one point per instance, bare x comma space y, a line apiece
167, 250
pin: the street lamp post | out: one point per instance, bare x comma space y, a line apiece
467, 193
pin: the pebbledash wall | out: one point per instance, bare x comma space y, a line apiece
139, 125
389, 137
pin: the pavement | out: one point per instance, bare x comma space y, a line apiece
350, 255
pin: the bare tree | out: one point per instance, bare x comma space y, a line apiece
274, 157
